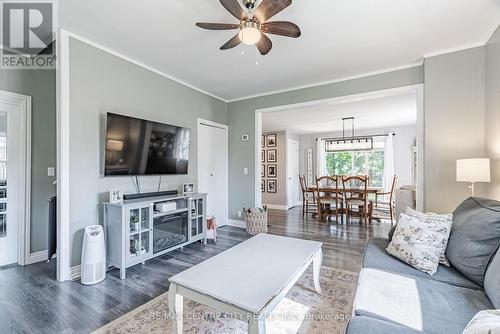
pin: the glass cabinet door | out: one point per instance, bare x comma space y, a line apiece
139, 232
134, 216
145, 219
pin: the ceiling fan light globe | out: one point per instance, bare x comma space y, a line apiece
249, 36
250, 33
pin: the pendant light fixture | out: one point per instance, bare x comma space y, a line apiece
352, 143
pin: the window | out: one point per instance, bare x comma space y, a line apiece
369, 163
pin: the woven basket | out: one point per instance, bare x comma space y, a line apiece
256, 222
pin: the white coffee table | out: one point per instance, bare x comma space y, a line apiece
248, 280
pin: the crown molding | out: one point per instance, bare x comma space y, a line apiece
140, 64
323, 83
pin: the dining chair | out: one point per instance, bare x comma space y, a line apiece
329, 197
389, 204
308, 196
356, 195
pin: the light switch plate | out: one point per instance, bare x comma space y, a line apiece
245, 171
51, 171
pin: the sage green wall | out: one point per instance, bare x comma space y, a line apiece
241, 120
493, 112
454, 124
41, 86
100, 83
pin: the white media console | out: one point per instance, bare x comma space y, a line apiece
140, 229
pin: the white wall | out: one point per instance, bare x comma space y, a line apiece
454, 124
404, 140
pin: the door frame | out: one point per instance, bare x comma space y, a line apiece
417, 88
203, 122
24, 200
290, 203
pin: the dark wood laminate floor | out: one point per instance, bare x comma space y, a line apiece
32, 301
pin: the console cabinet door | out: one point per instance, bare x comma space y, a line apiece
139, 226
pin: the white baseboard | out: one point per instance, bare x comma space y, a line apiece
37, 257
76, 272
276, 207
236, 223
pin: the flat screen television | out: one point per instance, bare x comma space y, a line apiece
139, 147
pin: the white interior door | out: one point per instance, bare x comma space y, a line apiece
10, 182
213, 168
293, 197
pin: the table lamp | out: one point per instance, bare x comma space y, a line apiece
473, 170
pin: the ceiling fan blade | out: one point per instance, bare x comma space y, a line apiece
233, 7
282, 28
217, 26
235, 41
269, 8
264, 45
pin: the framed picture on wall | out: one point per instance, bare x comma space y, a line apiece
271, 140
272, 170
263, 171
263, 141
263, 156
263, 186
272, 156
272, 186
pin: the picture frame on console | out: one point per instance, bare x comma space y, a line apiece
188, 188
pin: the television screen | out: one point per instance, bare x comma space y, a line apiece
140, 147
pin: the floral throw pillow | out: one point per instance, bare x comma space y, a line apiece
433, 218
485, 322
419, 243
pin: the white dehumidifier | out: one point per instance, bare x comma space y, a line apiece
93, 255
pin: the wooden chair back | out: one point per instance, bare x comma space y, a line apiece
303, 186
359, 182
393, 188
330, 182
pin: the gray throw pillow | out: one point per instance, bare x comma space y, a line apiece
475, 237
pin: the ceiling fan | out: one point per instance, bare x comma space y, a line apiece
253, 26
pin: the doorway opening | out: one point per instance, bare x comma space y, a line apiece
15, 178
397, 113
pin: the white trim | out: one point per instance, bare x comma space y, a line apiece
24, 200
420, 149
76, 272
199, 123
288, 204
236, 223
276, 207
258, 161
454, 49
338, 99
323, 83
63, 155
138, 63
37, 257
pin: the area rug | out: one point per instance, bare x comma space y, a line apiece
301, 311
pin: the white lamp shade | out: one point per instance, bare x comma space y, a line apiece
114, 145
473, 170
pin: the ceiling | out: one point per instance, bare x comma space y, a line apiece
339, 39
374, 111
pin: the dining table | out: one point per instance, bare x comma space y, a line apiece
350, 190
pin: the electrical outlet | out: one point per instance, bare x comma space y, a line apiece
239, 213
51, 171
